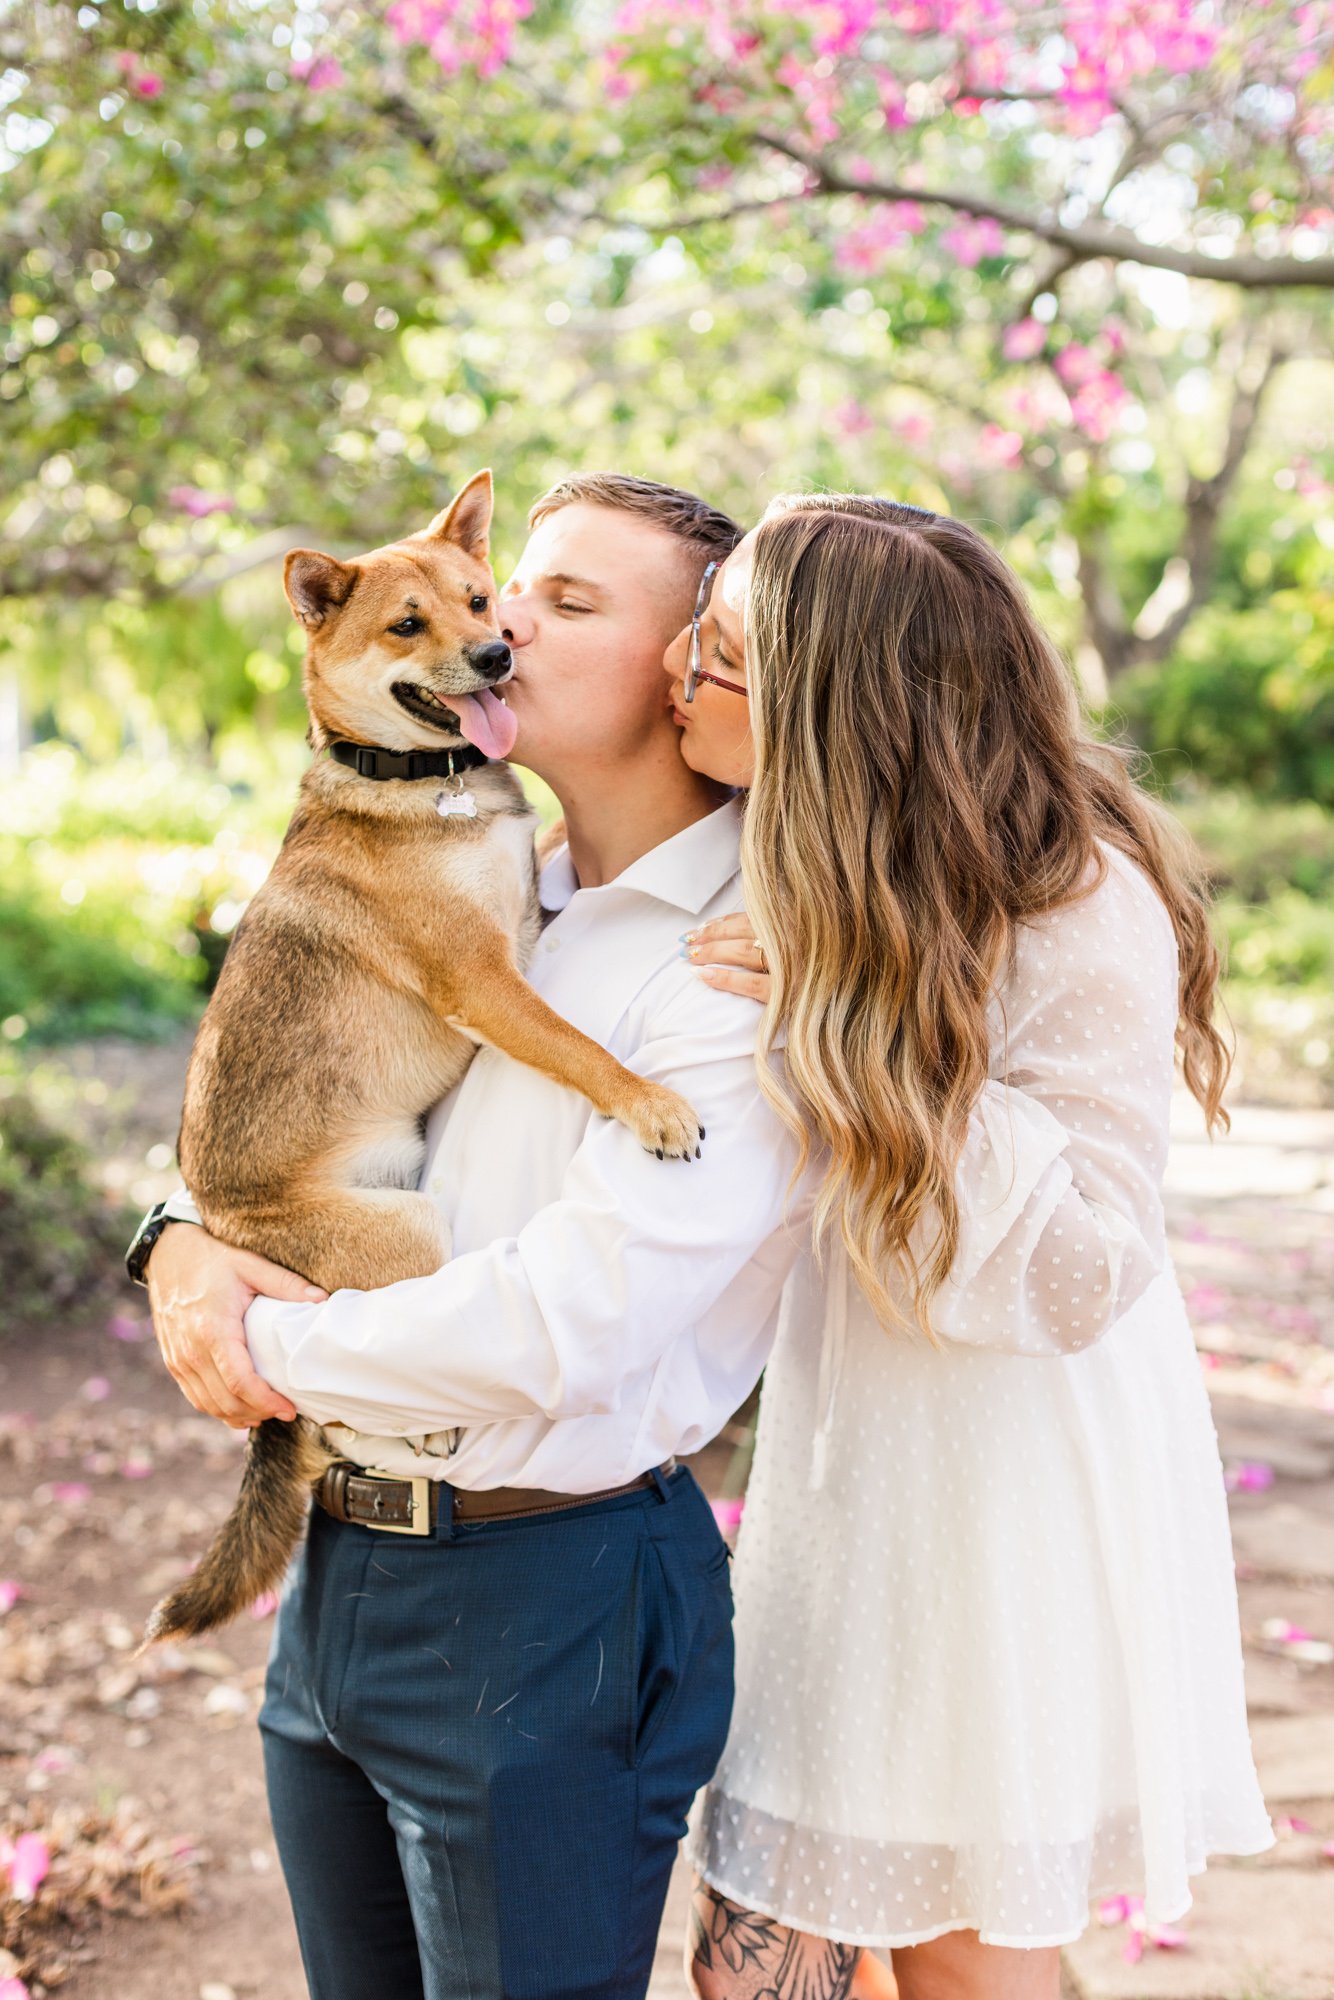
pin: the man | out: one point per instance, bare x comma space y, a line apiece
481, 1743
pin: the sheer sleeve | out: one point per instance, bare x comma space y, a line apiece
1060, 1177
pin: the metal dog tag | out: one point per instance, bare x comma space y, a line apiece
449, 804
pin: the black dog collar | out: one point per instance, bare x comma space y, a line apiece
368, 760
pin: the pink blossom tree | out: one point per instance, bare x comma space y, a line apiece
1103, 190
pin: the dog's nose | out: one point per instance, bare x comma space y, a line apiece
493, 659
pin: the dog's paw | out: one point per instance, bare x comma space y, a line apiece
664, 1123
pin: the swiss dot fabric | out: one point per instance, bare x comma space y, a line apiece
988, 1659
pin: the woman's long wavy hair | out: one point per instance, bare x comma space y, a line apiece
924, 785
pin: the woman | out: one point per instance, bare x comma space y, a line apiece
989, 1662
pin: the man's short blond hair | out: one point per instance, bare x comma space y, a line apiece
703, 531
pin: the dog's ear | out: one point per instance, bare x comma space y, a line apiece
467, 520
316, 585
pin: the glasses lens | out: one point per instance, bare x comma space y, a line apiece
689, 683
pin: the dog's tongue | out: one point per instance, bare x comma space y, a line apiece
486, 722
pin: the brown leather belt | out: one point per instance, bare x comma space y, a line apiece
410, 1506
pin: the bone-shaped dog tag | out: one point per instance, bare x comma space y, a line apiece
449, 804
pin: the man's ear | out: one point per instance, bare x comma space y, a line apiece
467, 520
316, 585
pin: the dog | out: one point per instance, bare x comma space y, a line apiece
387, 942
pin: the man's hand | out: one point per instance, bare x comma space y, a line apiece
199, 1290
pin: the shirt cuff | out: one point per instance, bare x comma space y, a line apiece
180, 1207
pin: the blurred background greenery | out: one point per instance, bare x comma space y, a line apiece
277, 276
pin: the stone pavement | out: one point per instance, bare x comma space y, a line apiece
1252, 1220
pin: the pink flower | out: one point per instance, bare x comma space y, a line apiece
71, 1492
28, 1866
10, 1593
914, 427
852, 419
96, 1389
1206, 1301
1023, 340
1076, 364
127, 62
461, 34
147, 85
727, 1513
318, 72
137, 1465
1000, 447
972, 238
192, 500
867, 246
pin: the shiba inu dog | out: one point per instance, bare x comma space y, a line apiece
387, 942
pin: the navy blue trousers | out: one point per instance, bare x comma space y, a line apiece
481, 1745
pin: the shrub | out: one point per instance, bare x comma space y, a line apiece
61, 1239
1256, 850
1247, 701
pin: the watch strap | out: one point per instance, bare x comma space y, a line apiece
145, 1236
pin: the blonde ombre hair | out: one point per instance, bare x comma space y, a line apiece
924, 785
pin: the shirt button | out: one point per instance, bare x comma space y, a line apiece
553, 944
437, 1183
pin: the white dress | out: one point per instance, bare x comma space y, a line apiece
988, 1658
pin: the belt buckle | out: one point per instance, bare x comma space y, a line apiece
421, 1503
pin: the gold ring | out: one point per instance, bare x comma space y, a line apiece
759, 953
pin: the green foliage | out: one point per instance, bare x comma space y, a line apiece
1286, 942
1247, 698
1256, 851
60, 1237
121, 887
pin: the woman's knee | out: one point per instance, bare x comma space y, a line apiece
959, 1966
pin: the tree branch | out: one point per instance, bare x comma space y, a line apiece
1085, 240
1205, 500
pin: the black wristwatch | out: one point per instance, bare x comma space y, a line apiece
145, 1236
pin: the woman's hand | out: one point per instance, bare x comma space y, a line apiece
199, 1290
728, 956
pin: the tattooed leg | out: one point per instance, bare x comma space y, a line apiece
733, 1953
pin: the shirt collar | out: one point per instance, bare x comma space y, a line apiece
686, 871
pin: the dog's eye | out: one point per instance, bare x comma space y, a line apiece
407, 626
479, 603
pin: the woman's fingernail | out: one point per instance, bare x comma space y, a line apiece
688, 937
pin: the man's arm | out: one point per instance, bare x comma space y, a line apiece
589, 1294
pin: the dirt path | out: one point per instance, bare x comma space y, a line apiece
109, 1484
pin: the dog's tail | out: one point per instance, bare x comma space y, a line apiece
250, 1552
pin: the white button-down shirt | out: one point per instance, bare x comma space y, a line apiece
601, 1308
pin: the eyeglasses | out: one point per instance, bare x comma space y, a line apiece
694, 673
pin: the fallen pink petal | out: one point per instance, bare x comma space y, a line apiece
71, 1492
28, 1867
10, 1593
121, 1327
1249, 1475
96, 1389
